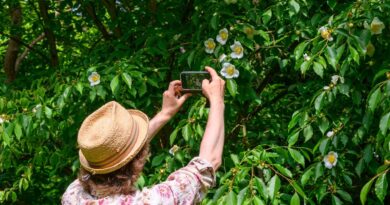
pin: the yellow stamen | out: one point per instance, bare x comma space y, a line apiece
210, 45
95, 78
223, 35
237, 49
230, 70
331, 158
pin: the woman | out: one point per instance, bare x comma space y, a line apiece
114, 145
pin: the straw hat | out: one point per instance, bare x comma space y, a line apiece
110, 137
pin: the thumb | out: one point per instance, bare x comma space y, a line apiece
183, 98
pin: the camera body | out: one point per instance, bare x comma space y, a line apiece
191, 81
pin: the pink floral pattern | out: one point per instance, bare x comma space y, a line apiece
185, 186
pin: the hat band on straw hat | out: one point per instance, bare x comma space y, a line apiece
121, 154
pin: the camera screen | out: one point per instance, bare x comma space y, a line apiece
193, 81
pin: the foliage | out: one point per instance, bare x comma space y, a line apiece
313, 86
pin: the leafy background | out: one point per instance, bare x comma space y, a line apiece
278, 111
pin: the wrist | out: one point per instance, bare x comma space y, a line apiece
217, 103
164, 115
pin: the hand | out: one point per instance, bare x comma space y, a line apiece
172, 99
214, 90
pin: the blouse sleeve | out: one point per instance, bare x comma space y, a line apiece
185, 186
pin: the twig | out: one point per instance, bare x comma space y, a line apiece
24, 54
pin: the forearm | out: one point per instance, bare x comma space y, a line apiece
211, 147
156, 123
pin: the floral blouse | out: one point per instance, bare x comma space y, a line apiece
185, 186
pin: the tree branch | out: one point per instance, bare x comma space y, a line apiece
13, 44
111, 8
89, 7
26, 51
43, 8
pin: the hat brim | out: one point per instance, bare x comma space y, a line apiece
142, 121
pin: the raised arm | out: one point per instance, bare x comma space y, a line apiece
211, 147
172, 101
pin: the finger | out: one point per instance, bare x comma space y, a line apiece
205, 82
172, 85
212, 72
184, 97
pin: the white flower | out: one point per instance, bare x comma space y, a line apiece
36, 108
222, 58
182, 50
330, 160
326, 88
229, 71
94, 78
1, 120
223, 36
173, 150
238, 50
209, 45
330, 133
326, 33
336, 78
377, 26
306, 57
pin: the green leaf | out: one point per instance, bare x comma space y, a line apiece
306, 176
384, 123
283, 170
214, 21
79, 87
186, 132
232, 198
345, 195
293, 138
319, 171
18, 130
294, 5
241, 196
264, 35
308, 133
381, 187
235, 159
114, 85
366, 188
127, 78
360, 167
258, 201
336, 200
261, 187
331, 57
305, 66
354, 54
266, 17
48, 112
318, 69
298, 51
273, 186
232, 87
295, 199
294, 119
173, 135
318, 103
374, 99
297, 156
323, 125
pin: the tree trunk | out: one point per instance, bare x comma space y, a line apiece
111, 8
13, 44
92, 13
43, 8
